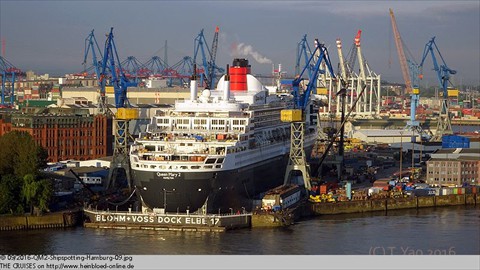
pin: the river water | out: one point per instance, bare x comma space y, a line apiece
446, 230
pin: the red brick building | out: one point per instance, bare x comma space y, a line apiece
65, 135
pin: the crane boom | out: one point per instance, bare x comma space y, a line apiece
92, 45
401, 54
214, 56
360, 56
342, 60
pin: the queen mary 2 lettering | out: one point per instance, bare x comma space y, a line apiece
217, 151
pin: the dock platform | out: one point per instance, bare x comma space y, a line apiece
166, 222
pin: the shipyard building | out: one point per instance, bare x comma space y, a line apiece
455, 167
64, 133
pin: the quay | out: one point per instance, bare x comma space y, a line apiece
390, 204
52, 220
166, 222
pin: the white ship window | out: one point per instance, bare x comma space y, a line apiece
195, 167
183, 167
218, 166
152, 166
208, 167
220, 160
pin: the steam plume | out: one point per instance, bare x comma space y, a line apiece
243, 49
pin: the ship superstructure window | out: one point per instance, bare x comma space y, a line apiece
200, 124
218, 124
183, 123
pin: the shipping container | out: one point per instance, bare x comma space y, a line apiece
455, 141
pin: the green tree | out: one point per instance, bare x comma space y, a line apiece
20, 161
36, 193
19, 154
10, 201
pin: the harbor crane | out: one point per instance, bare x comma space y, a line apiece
296, 116
410, 71
303, 50
444, 125
113, 76
209, 67
91, 45
9, 74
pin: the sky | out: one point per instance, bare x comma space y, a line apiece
49, 36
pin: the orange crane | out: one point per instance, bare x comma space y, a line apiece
401, 55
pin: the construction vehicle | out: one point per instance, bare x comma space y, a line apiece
444, 125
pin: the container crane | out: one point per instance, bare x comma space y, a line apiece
112, 70
296, 116
444, 125
9, 74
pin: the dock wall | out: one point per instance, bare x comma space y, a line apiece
53, 220
392, 204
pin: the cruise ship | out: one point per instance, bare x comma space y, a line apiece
217, 151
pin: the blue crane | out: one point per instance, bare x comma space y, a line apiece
134, 68
9, 73
112, 69
444, 125
112, 73
303, 50
301, 99
92, 45
208, 61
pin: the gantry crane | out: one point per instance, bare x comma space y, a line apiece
296, 116
444, 125
9, 74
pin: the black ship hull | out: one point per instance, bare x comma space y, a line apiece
221, 191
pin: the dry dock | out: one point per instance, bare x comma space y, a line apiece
166, 222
